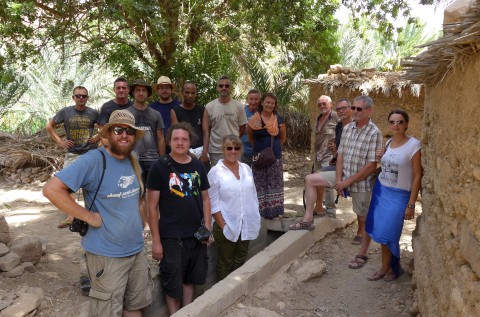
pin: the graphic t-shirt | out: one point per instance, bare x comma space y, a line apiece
149, 121
109, 107
225, 119
179, 213
79, 126
397, 165
117, 202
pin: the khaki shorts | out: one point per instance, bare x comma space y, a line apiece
361, 202
330, 177
118, 284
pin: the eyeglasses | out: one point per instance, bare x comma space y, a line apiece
119, 130
341, 108
231, 148
322, 103
359, 109
223, 86
78, 96
397, 122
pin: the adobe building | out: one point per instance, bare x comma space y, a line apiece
446, 239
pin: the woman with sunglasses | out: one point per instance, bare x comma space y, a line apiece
394, 195
234, 206
264, 129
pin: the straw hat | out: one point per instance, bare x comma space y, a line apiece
163, 80
121, 117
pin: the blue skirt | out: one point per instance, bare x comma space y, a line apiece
385, 219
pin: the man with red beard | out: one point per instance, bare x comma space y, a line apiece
116, 262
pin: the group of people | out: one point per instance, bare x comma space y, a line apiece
348, 146
162, 170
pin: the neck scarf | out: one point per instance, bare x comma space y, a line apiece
256, 123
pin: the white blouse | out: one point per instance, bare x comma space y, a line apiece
236, 199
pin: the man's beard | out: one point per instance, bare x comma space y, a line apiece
121, 150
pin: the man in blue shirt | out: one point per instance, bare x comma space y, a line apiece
116, 262
253, 100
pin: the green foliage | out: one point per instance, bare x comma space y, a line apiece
12, 87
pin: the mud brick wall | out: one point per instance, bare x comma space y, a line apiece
446, 240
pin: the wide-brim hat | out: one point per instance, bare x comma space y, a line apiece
163, 80
140, 82
121, 117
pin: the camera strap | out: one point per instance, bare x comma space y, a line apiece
167, 161
101, 179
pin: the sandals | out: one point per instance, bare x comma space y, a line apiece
358, 262
302, 225
391, 276
357, 240
379, 275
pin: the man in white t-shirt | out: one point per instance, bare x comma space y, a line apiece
226, 116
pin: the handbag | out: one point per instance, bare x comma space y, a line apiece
265, 157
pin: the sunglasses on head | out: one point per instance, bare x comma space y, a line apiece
359, 109
119, 130
230, 148
397, 122
223, 86
78, 96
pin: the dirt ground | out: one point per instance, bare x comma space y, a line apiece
340, 291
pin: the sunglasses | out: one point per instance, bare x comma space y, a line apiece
119, 130
359, 109
398, 122
224, 86
230, 148
78, 96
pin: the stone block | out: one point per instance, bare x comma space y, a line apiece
22, 306
15, 272
309, 270
28, 248
3, 249
29, 267
4, 230
9, 261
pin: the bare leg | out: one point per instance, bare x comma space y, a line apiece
188, 290
365, 244
173, 304
311, 182
319, 203
132, 313
386, 259
361, 226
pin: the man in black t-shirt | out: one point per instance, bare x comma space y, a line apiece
189, 111
175, 213
120, 102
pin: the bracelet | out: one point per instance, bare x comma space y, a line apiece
411, 206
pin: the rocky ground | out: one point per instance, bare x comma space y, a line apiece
340, 291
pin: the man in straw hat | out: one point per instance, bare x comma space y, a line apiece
164, 88
116, 262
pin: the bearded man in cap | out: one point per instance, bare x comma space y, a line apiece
112, 185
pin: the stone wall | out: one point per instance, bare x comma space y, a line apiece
446, 241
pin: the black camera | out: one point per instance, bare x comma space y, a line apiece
79, 226
202, 234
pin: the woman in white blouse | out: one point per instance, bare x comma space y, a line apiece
234, 207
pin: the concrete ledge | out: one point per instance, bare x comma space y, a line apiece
260, 267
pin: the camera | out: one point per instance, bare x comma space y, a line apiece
79, 226
202, 234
